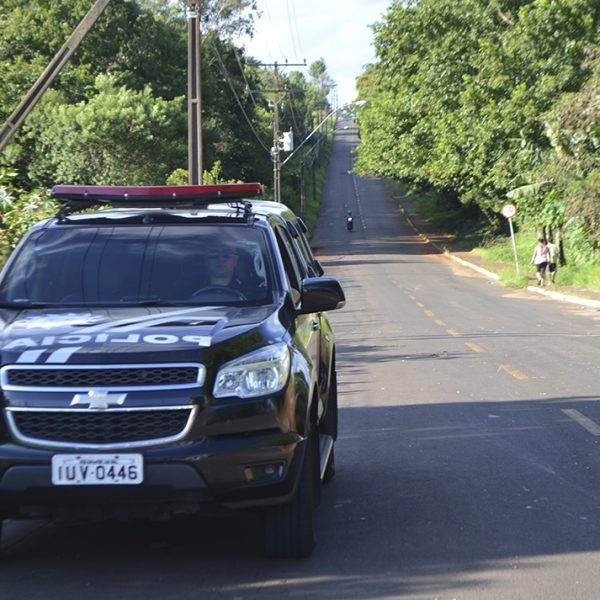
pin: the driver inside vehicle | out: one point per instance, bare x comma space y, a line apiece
230, 273
222, 265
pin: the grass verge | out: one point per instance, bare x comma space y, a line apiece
580, 275
467, 232
511, 279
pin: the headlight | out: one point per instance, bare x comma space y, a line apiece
262, 372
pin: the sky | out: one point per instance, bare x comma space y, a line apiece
335, 30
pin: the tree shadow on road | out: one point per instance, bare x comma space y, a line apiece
400, 245
428, 499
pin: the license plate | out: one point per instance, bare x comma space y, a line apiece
97, 469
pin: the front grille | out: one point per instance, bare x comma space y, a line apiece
101, 427
131, 376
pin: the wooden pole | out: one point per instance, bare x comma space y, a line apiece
194, 94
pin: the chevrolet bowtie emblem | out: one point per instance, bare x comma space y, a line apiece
98, 400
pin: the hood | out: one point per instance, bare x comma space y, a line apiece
115, 335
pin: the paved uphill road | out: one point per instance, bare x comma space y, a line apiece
468, 459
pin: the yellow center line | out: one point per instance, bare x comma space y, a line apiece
586, 423
475, 347
440, 323
514, 372
453, 333
429, 313
420, 305
412, 297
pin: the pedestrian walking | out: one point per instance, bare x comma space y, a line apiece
552, 258
540, 259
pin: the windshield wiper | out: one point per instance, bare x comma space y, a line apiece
145, 301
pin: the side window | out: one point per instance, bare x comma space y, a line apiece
309, 257
300, 258
293, 269
298, 248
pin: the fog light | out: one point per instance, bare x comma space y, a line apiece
268, 473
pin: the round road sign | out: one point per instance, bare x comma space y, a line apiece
509, 210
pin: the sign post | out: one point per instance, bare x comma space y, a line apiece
509, 210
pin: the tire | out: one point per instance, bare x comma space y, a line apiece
289, 529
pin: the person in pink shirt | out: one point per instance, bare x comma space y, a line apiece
540, 258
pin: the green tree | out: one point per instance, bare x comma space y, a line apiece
573, 171
118, 135
457, 96
142, 46
322, 82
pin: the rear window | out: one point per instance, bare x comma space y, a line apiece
125, 265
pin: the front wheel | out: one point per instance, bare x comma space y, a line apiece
289, 529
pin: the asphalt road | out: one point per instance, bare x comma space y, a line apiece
467, 461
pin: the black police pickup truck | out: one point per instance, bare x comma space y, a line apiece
164, 354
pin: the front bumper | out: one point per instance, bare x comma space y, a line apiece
179, 478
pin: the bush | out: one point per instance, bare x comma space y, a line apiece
581, 276
20, 210
501, 250
117, 136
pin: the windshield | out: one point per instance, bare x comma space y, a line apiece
153, 264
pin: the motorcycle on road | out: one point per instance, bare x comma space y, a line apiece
349, 221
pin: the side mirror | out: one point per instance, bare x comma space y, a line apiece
320, 294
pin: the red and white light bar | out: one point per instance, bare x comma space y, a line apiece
96, 194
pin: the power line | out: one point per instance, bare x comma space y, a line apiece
293, 36
309, 136
239, 62
231, 86
290, 91
266, 7
296, 25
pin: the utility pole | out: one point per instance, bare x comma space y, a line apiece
51, 72
302, 187
275, 150
194, 94
276, 136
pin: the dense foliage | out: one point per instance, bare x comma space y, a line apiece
117, 114
484, 98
